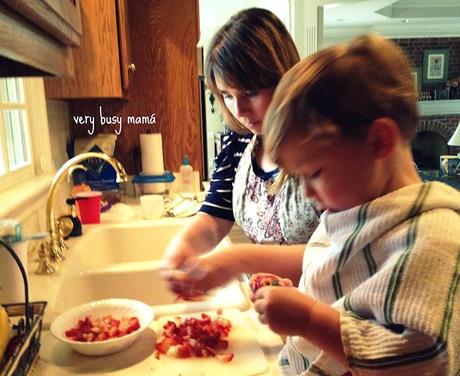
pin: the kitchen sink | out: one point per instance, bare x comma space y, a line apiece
125, 261
121, 243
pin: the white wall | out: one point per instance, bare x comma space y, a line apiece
214, 13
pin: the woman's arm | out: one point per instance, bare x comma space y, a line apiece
199, 236
216, 268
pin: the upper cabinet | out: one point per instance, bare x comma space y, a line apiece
36, 37
102, 62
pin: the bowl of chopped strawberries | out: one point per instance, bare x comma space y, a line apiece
102, 327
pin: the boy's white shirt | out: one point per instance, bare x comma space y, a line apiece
399, 260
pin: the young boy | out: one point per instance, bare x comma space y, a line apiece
379, 292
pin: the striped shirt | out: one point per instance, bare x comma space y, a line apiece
391, 267
218, 202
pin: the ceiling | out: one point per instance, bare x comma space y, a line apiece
401, 18
344, 19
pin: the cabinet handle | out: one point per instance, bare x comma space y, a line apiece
131, 67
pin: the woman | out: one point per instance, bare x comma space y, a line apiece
245, 61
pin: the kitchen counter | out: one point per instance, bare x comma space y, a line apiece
56, 358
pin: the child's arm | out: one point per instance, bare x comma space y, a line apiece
282, 260
287, 311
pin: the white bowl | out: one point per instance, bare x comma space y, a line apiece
118, 308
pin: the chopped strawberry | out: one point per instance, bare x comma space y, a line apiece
133, 324
164, 345
225, 357
198, 337
222, 344
184, 351
101, 329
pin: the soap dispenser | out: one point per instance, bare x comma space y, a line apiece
186, 177
71, 224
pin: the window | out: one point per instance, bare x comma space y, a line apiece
16, 158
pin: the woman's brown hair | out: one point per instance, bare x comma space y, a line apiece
251, 51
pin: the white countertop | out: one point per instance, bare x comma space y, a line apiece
57, 359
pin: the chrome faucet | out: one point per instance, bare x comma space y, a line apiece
56, 245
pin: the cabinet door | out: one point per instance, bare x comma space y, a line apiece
36, 37
98, 65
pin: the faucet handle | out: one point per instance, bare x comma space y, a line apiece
65, 226
44, 265
57, 247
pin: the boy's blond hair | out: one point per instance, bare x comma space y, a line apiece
343, 89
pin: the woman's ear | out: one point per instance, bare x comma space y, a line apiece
382, 137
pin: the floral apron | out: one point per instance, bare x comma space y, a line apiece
286, 217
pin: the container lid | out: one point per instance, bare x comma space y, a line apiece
166, 177
185, 160
10, 230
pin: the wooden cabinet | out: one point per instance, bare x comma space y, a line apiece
102, 62
36, 37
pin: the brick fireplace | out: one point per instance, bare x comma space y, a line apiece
430, 141
433, 132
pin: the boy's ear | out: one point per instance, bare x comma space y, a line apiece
382, 137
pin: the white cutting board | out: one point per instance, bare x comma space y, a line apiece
249, 357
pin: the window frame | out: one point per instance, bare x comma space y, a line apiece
37, 124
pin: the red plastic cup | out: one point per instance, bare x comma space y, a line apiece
89, 205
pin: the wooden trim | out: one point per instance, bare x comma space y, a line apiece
24, 43
59, 18
123, 42
441, 107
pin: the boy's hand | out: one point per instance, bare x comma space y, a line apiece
259, 280
284, 309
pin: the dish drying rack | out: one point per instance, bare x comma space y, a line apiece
27, 319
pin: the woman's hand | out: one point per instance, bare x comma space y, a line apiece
200, 235
199, 275
178, 253
284, 309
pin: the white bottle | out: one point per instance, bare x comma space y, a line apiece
186, 178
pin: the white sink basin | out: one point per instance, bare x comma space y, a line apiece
124, 261
115, 244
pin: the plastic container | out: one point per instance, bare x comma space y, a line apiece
78, 186
89, 204
152, 206
186, 177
